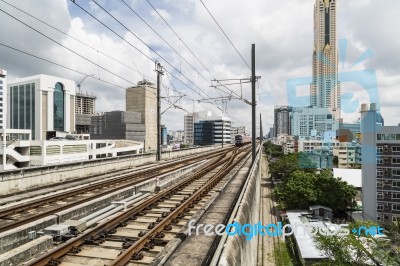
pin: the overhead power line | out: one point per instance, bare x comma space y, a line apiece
67, 48
77, 40
89, 46
140, 39
219, 26
129, 43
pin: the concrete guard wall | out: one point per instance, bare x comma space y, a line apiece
29, 178
238, 250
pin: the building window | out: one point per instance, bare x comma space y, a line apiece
396, 172
395, 195
396, 207
396, 160
396, 148
396, 183
380, 206
380, 195
379, 160
59, 107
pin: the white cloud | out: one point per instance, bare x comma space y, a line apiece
281, 30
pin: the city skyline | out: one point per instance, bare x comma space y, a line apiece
282, 48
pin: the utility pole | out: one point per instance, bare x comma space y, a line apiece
253, 101
160, 72
261, 133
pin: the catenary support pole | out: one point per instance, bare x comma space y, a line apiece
159, 70
253, 101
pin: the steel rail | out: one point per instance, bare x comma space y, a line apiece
98, 234
147, 173
133, 252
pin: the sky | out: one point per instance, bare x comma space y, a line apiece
282, 32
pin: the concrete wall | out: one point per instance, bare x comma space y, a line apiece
19, 236
14, 238
27, 251
238, 250
29, 178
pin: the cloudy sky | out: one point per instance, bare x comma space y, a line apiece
281, 30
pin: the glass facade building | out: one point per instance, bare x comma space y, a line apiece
22, 107
43, 104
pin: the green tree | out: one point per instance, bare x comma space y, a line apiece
273, 150
289, 163
353, 249
334, 193
301, 189
297, 192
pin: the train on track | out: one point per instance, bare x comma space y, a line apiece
241, 140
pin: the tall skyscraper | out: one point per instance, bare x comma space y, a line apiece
142, 99
282, 120
325, 87
3, 97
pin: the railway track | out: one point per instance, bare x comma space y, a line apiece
137, 235
20, 214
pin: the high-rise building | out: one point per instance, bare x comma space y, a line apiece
143, 99
85, 105
380, 168
189, 121
325, 87
282, 120
3, 99
41, 103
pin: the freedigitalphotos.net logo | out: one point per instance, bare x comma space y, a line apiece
249, 231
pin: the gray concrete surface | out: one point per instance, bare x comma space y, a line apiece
194, 249
26, 251
29, 178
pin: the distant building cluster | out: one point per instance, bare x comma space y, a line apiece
44, 120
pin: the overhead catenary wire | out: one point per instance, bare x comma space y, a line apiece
187, 47
140, 39
183, 42
67, 48
89, 46
77, 71
219, 26
130, 44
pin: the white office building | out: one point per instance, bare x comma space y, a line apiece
3, 98
188, 122
305, 120
41, 103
